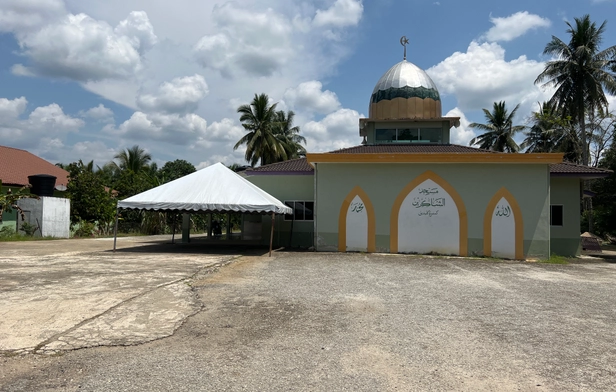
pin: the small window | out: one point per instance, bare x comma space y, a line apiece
556, 215
302, 210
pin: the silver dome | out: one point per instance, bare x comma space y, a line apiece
404, 74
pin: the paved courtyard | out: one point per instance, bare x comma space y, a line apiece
300, 321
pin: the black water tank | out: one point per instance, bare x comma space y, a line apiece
42, 184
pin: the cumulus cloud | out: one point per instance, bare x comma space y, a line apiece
336, 130
514, 26
255, 42
309, 96
481, 76
261, 41
181, 95
341, 14
462, 134
179, 129
12, 108
82, 48
44, 121
99, 113
21, 16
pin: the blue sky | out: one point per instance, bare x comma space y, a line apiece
83, 79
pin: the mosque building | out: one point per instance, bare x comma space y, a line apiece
407, 189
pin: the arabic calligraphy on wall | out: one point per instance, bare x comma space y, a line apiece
356, 207
426, 200
502, 210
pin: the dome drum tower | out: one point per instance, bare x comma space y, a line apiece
404, 101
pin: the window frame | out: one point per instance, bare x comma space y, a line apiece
291, 217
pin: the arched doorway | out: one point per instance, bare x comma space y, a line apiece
356, 223
429, 216
503, 227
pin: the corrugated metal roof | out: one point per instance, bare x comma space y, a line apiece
16, 165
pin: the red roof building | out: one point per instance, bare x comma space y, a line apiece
16, 165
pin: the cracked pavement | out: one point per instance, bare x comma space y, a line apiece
52, 300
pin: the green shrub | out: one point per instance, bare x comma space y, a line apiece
6, 232
85, 229
28, 229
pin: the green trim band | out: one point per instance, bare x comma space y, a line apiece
405, 92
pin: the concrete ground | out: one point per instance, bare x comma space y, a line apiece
308, 321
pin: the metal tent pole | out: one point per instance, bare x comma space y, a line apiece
272, 234
115, 230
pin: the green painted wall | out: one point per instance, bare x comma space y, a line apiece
476, 184
286, 187
566, 238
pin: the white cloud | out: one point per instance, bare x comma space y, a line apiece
12, 108
255, 42
19, 16
43, 122
514, 26
341, 14
181, 95
224, 131
481, 76
99, 113
462, 134
21, 70
337, 130
309, 96
179, 129
81, 48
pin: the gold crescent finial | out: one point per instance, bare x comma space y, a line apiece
404, 41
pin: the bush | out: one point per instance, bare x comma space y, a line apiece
84, 229
6, 232
28, 229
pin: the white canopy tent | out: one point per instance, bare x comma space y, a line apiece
214, 188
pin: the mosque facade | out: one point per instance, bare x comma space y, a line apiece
407, 189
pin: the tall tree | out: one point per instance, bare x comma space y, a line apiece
134, 158
289, 135
173, 170
499, 130
551, 132
90, 200
580, 72
258, 119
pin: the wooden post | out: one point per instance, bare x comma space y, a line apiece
115, 230
272, 234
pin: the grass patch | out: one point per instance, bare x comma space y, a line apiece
555, 259
19, 237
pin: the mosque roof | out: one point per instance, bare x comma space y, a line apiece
404, 80
301, 166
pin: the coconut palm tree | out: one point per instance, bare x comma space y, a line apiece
289, 135
134, 158
258, 120
551, 132
579, 73
499, 130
